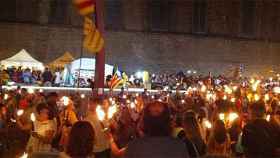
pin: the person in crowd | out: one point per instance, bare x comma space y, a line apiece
27, 76
193, 133
259, 138
101, 144
219, 140
157, 141
81, 141
57, 77
3, 116
67, 118
44, 131
47, 77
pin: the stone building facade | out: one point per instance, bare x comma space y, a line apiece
155, 35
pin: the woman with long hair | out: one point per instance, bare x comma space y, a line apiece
80, 143
219, 140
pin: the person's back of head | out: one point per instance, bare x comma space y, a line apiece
81, 140
220, 132
157, 119
257, 110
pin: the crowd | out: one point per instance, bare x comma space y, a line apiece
210, 119
59, 78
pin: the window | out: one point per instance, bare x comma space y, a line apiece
8, 10
199, 16
248, 13
158, 15
113, 15
59, 12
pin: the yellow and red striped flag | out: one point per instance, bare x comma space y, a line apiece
85, 7
93, 41
115, 81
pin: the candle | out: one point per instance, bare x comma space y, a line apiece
83, 96
111, 111
6, 96
20, 112
267, 118
32, 117
233, 116
207, 124
100, 113
65, 100
222, 116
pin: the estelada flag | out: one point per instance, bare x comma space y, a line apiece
93, 41
115, 81
85, 7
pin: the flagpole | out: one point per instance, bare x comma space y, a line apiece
81, 55
100, 56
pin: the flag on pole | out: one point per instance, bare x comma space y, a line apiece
85, 7
93, 41
115, 81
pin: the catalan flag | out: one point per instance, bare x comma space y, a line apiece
115, 81
93, 41
85, 7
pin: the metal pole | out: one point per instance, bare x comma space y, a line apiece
100, 57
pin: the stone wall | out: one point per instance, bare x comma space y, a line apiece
134, 51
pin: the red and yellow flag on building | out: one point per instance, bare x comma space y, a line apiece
93, 41
85, 7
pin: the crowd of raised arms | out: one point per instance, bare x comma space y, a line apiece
212, 117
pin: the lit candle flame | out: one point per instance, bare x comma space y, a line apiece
132, 105
233, 116
25, 155
41, 90
267, 118
266, 97
20, 112
203, 88
225, 97
232, 100
6, 96
65, 100
32, 117
256, 97
100, 113
207, 124
222, 116
83, 96
183, 101
111, 111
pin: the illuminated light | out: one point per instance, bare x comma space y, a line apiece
267, 118
207, 124
137, 94
252, 81
110, 99
225, 97
222, 116
255, 85
203, 88
113, 102
232, 100
168, 95
124, 96
270, 79
166, 88
194, 72
11, 83
256, 97
183, 101
25, 155
233, 116
13, 120
228, 90
153, 97
30, 90
127, 101
266, 97
234, 88
189, 71
153, 75
132, 105
160, 100
41, 90
139, 74
194, 89
65, 100
20, 112
32, 117
177, 84
276, 90
111, 111
135, 101
278, 75
249, 96
6, 96
100, 113
83, 96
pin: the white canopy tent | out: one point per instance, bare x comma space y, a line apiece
23, 59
